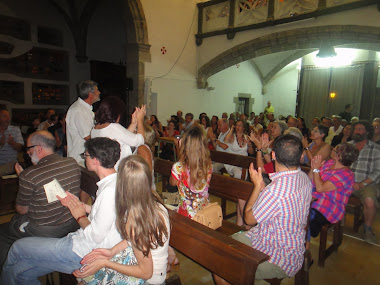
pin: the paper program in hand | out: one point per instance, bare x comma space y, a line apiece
52, 189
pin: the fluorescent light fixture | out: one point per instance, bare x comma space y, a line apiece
326, 51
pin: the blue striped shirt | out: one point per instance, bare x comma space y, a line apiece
7, 152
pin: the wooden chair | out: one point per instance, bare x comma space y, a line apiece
337, 241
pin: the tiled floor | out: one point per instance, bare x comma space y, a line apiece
356, 262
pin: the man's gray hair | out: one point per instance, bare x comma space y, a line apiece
85, 87
294, 132
43, 139
283, 126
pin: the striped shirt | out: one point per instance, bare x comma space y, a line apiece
332, 204
32, 194
281, 212
368, 163
7, 152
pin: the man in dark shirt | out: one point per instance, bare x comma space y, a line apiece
346, 115
35, 215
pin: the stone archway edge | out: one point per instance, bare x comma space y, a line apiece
304, 38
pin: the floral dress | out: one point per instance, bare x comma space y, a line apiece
106, 276
191, 199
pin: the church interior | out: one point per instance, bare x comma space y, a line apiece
199, 56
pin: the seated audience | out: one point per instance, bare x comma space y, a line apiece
317, 146
225, 115
238, 143
98, 230
327, 122
167, 148
156, 125
278, 213
60, 136
354, 120
315, 122
335, 129
143, 222
219, 143
343, 137
206, 124
292, 122
188, 123
332, 186
376, 130
257, 127
262, 143
36, 216
367, 175
269, 117
48, 123
36, 122
107, 119
302, 127
180, 118
214, 125
11, 143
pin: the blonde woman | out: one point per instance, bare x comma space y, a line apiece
143, 222
192, 173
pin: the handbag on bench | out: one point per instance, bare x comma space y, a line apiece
210, 216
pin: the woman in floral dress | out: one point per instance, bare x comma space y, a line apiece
192, 173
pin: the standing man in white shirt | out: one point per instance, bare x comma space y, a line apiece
80, 119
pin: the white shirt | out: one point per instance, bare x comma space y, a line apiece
125, 138
221, 139
333, 133
102, 231
79, 122
160, 256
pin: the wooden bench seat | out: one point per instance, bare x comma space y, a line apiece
217, 252
233, 189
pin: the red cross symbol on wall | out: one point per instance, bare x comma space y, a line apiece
163, 50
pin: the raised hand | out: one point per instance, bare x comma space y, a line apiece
316, 162
75, 206
256, 176
18, 168
305, 142
253, 137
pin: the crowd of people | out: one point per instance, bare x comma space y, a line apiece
124, 236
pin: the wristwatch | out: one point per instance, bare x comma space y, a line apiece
364, 184
316, 170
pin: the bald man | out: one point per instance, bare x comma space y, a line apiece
35, 215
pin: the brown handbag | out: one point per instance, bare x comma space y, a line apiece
210, 216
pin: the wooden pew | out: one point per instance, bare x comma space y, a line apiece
218, 253
233, 189
233, 159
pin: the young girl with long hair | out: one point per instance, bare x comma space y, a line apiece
192, 173
143, 222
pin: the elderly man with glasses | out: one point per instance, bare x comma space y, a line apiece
35, 216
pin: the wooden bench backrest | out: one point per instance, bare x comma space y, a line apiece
218, 253
232, 159
88, 181
220, 185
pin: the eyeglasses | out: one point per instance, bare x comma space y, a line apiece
29, 147
83, 155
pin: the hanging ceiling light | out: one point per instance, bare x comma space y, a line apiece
326, 51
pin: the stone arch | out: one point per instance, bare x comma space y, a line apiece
297, 39
138, 49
